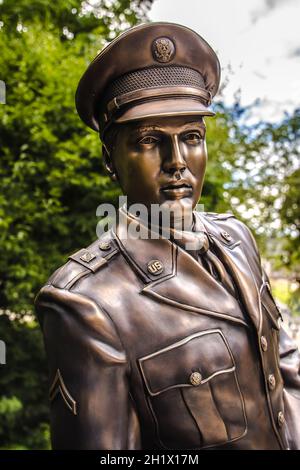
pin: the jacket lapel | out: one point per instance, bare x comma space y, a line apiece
183, 282
233, 257
192, 288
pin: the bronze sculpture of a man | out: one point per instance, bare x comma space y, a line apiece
160, 342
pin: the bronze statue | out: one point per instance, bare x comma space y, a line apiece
163, 342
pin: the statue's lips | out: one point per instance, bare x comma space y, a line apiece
177, 190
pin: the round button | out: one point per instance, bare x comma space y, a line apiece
280, 418
195, 378
264, 343
271, 382
104, 246
155, 267
226, 236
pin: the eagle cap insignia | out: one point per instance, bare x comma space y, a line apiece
163, 49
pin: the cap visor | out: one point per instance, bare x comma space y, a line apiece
164, 107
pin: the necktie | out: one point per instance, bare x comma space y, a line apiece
218, 271
198, 245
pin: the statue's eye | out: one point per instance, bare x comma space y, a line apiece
148, 140
193, 137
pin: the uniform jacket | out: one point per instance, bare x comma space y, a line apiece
168, 360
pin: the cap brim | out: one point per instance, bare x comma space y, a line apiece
164, 107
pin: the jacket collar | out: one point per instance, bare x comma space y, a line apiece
183, 282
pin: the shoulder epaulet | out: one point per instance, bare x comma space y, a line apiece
220, 227
96, 255
84, 261
216, 216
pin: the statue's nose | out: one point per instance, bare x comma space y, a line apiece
175, 161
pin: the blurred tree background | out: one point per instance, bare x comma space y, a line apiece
52, 180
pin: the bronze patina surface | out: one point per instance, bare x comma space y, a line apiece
151, 344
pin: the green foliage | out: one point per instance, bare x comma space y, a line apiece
23, 387
222, 150
264, 186
290, 218
9, 409
287, 293
91, 19
49, 161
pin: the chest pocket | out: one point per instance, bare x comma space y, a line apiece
193, 392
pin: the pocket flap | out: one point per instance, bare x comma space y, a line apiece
206, 352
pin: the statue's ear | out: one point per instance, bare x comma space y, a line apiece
109, 163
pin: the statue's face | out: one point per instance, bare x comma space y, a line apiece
161, 161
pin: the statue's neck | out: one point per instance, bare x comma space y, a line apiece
160, 221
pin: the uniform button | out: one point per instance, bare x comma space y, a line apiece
271, 382
226, 236
195, 378
280, 418
155, 267
264, 343
105, 246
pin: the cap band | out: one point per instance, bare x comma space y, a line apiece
156, 93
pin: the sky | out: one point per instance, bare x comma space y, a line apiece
258, 45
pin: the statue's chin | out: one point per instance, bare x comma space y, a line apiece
178, 213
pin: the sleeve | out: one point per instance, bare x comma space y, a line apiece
91, 406
290, 371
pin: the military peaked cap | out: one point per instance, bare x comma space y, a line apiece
153, 69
